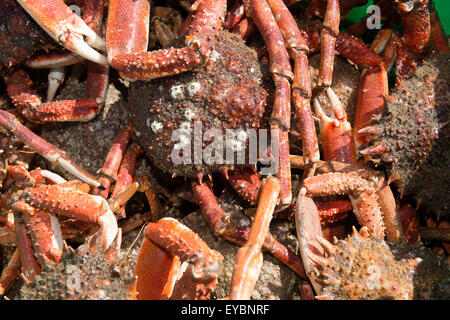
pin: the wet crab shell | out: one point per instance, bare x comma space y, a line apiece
226, 93
415, 132
366, 267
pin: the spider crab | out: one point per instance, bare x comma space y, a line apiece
201, 33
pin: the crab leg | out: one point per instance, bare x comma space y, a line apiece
30, 106
437, 34
416, 24
330, 30
10, 273
336, 133
113, 159
165, 244
297, 44
282, 74
56, 156
223, 228
249, 258
127, 50
126, 174
66, 28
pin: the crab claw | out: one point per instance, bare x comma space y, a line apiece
66, 28
309, 230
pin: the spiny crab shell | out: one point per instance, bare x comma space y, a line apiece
226, 93
416, 134
366, 267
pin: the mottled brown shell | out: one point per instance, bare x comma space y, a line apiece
226, 93
370, 268
416, 134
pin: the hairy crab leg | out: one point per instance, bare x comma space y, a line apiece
416, 24
249, 258
222, 227
10, 124
127, 50
165, 244
66, 28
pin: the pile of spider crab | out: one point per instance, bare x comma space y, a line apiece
102, 196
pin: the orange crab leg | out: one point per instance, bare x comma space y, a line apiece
127, 50
10, 123
249, 258
330, 30
166, 240
235, 15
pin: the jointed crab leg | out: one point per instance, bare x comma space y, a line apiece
66, 28
10, 123
127, 50
282, 74
165, 244
249, 258
297, 45
10, 273
330, 30
30, 105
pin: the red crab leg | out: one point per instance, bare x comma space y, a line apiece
126, 174
164, 241
223, 228
330, 30
30, 106
127, 50
281, 71
77, 205
66, 28
113, 159
297, 44
10, 273
44, 231
249, 258
56, 156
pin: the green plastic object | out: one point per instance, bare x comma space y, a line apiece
442, 8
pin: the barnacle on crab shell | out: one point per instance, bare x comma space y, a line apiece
415, 135
366, 267
226, 93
